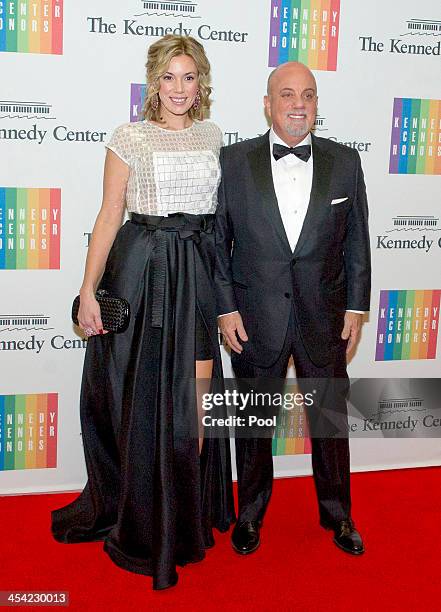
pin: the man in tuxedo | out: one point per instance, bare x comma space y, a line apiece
293, 279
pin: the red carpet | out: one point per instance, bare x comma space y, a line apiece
297, 567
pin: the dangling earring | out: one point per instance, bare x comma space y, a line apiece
155, 102
197, 101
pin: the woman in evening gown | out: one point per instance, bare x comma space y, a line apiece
156, 488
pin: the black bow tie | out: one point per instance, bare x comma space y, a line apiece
303, 152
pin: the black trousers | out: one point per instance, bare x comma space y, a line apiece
330, 455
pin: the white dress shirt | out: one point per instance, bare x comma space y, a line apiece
292, 180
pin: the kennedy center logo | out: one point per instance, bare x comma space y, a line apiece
28, 431
31, 26
25, 110
416, 137
170, 8
30, 229
291, 435
408, 324
423, 27
305, 31
137, 97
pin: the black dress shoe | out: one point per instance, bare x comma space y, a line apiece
245, 538
346, 536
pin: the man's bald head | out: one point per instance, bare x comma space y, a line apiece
293, 67
291, 102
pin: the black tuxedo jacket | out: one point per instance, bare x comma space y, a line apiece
258, 274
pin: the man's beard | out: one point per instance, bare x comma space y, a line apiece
296, 131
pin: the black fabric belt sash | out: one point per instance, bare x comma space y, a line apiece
188, 227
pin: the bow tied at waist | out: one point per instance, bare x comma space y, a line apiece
188, 227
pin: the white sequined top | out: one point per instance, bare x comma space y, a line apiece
170, 171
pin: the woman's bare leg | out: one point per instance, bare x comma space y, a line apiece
204, 371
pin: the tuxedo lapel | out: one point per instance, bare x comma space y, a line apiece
321, 179
260, 163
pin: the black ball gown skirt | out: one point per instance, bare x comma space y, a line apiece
150, 496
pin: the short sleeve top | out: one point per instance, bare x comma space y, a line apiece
170, 171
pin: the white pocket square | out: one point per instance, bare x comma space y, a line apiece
338, 201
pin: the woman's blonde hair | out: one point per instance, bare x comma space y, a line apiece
159, 57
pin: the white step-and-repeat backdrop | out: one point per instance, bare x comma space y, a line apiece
73, 71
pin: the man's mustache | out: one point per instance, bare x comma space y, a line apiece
296, 112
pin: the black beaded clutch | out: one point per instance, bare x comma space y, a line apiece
115, 312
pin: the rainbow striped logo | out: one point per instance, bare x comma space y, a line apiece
408, 324
306, 31
137, 97
291, 436
31, 26
28, 431
30, 229
416, 137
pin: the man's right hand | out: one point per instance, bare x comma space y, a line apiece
229, 324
